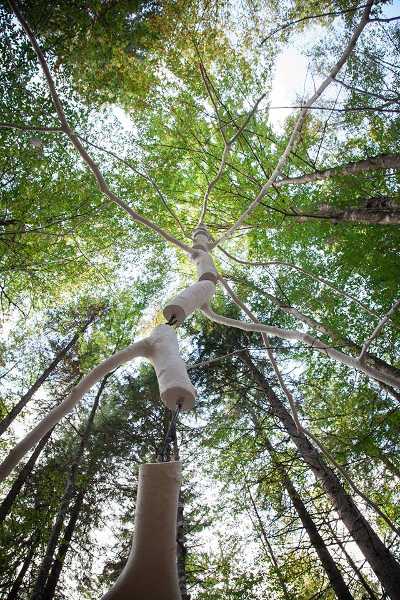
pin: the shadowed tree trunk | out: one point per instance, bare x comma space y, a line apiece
14, 592
54, 576
26, 470
363, 581
334, 575
383, 563
70, 490
14, 412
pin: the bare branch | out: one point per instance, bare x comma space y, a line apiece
101, 182
377, 330
295, 267
22, 127
293, 140
307, 18
308, 340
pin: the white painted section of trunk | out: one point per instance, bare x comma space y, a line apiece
173, 380
205, 266
185, 303
151, 570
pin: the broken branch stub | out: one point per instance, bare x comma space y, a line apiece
150, 572
191, 298
173, 380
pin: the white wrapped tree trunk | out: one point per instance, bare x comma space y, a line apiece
185, 303
151, 570
173, 380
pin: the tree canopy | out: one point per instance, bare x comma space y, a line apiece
126, 127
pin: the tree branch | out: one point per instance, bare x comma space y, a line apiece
377, 330
293, 140
101, 182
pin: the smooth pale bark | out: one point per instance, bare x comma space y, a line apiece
382, 562
335, 336
310, 341
296, 131
151, 570
69, 491
14, 412
160, 348
334, 575
187, 301
26, 470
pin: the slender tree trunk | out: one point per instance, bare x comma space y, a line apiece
70, 489
14, 592
26, 470
361, 578
14, 412
270, 552
334, 575
51, 585
386, 568
181, 549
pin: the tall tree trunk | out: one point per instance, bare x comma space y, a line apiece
383, 563
14, 592
269, 549
23, 475
69, 491
371, 594
334, 575
181, 549
52, 581
14, 412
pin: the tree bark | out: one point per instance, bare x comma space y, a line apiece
363, 581
69, 491
351, 215
14, 592
14, 412
384, 565
334, 575
335, 336
383, 161
26, 470
55, 572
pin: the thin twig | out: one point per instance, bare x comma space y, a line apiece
377, 330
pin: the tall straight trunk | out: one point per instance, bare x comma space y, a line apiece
54, 576
69, 491
23, 475
334, 575
382, 562
14, 412
181, 550
371, 594
14, 594
269, 550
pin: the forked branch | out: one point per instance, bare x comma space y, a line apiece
295, 135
